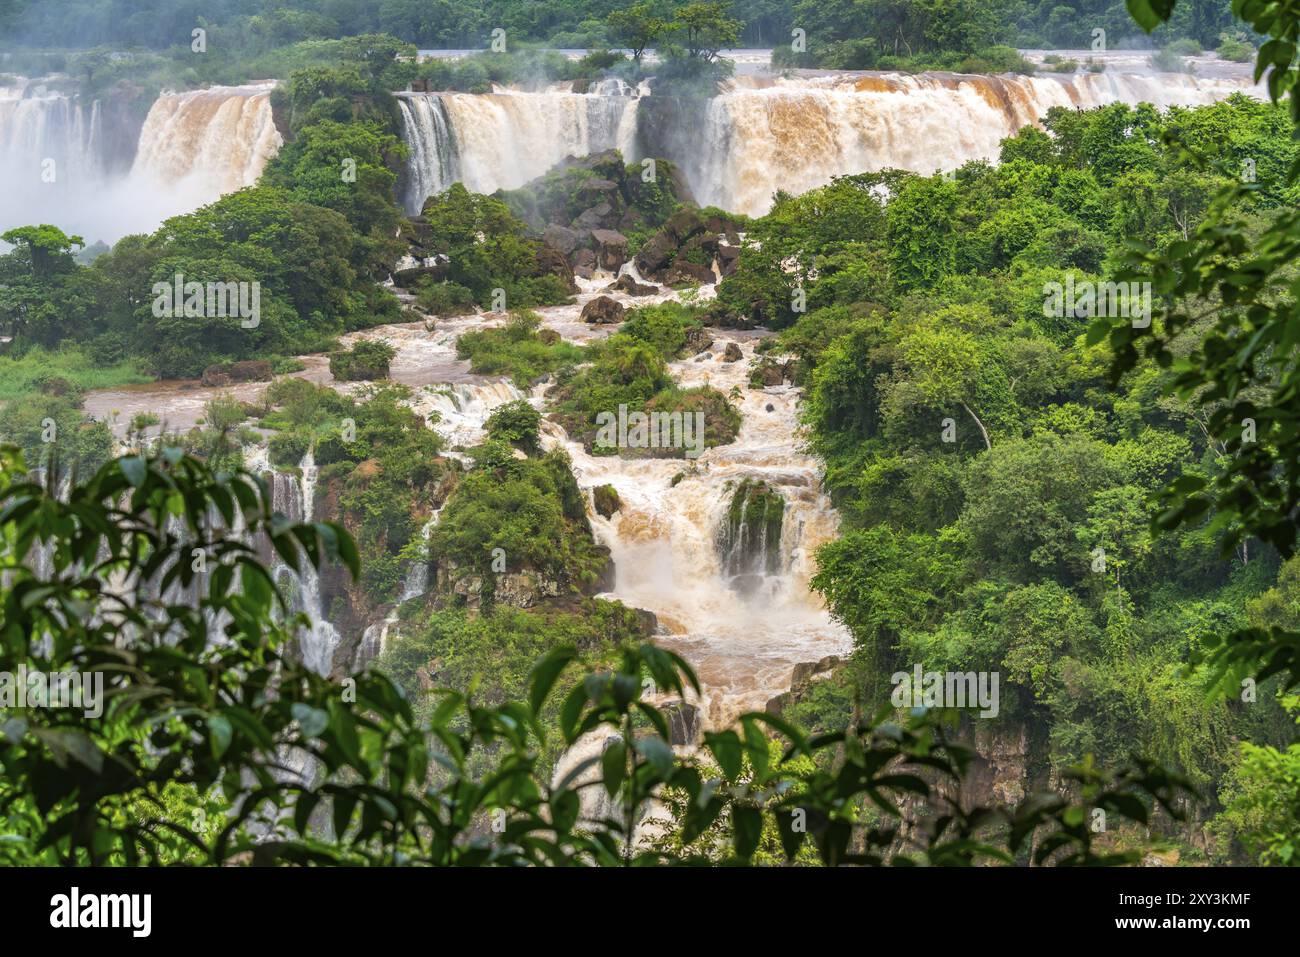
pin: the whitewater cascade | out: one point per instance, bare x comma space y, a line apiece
764, 134
94, 170
503, 139
51, 153
294, 497
732, 596
205, 143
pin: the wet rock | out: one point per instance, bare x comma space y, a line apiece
779, 703
600, 216
656, 254
551, 261
684, 724
247, 370
686, 273
562, 238
698, 340
806, 670
732, 353
603, 311
627, 284
647, 622
611, 248
584, 263
605, 580
771, 375
606, 501
684, 224
769, 408
728, 260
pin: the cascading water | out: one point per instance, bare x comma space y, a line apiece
93, 169
501, 140
293, 496
765, 134
208, 142
727, 577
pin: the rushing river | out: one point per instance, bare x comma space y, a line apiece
744, 641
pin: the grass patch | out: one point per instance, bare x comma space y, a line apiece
63, 371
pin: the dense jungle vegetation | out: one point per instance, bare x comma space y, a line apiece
1071, 501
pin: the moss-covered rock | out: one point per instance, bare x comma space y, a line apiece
606, 500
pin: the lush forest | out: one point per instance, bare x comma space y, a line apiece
256, 38
1101, 511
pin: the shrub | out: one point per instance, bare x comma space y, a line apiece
366, 360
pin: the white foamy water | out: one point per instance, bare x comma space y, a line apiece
204, 143
764, 134
664, 540
501, 140
89, 170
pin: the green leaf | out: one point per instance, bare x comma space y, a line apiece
134, 469
748, 822
659, 753
220, 732
614, 765
545, 675
312, 721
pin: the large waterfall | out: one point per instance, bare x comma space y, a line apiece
94, 169
208, 142
51, 153
503, 139
762, 133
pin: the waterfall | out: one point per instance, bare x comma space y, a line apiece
750, 537
208, 142
51, 156
501, 140
765, 134
294, 496
723, 550
93, 170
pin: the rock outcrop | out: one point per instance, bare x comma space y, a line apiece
603, 311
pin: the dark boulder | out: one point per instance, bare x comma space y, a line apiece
584, 263
685, 273
606, 501
697, 340
611, 248
247, 370
684, 724
562, 238
603, 311
627, 284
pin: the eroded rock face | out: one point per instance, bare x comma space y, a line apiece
603, 311
551, 261
698, 340
561, 238
688, 273
584, 263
